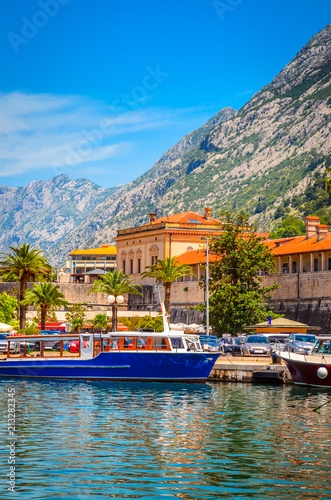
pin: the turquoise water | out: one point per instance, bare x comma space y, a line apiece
99, 440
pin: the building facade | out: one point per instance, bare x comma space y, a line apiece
82, 263
160, 238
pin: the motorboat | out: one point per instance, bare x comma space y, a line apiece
312, 369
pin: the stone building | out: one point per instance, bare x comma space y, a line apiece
308, 253
142, 246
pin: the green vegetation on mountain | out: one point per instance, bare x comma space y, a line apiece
268, 159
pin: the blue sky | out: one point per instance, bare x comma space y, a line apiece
101, 89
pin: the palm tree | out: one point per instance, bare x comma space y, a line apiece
167, 271
22, 264
100, 321
114, 283
44, 296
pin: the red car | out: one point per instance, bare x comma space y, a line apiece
74, 346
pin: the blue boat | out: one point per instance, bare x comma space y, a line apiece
134, 356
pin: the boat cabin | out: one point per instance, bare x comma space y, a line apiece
90, 345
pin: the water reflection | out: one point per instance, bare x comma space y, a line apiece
190, 441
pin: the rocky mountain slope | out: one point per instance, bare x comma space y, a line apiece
43, 213
256, 159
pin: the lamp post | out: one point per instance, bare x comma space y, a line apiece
207, 281
114, 302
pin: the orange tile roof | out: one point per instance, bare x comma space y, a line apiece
194, 257
300, 244
312, 217
103, 250
187, 217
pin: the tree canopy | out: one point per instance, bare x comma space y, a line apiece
44, 296
24, 263
8, 308
237, 295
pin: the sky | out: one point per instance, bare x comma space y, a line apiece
102, 88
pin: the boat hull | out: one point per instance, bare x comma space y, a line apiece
153, 366
304, 371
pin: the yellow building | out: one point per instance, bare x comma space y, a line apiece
308, 253
138, 247
85, 261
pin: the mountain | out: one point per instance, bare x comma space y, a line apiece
44, 212
258, 159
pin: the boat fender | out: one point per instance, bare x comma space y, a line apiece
322, 372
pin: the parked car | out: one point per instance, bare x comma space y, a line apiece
14, 344
256, 345
300, 343
232, 346
277, 340
74, 345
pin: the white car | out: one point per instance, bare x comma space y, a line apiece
14, 345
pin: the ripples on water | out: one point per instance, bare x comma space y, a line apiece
103, 440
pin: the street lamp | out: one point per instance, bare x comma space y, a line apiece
207, 238
114, 302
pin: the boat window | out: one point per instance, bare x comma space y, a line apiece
305, 338
323, 347
177, 342
160, 343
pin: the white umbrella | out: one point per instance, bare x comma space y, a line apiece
5, 328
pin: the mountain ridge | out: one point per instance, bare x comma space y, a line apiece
256, 159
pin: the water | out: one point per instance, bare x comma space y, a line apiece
99, 440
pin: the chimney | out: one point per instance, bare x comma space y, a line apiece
152, 217
207, 212
322, 231
311, 226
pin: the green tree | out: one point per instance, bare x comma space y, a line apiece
44, 296
8, 308
22, 264
100, 321
114, 283
290, 226
167, 271
328, 180
76, 316
237, 296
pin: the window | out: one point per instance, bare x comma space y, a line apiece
123, 266
329, 264
153, 260
285, 267
294, 266
315, 265
139, 265
131, 266
155, 238
194, 221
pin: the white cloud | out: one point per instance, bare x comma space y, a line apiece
45, 131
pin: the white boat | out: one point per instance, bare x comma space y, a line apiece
312, 369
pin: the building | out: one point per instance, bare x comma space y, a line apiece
142, 246
308, 253
82, 264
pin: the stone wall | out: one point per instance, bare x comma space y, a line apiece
301, 286
302, 297
309, 311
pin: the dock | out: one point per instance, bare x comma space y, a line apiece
250, 370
